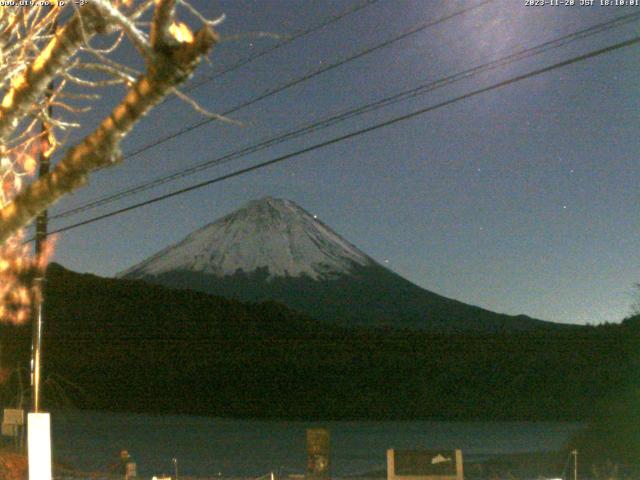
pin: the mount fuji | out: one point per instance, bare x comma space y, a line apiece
272, 249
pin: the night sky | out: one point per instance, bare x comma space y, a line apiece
520, 200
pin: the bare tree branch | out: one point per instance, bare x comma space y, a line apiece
30, 84
203, 111
176, 53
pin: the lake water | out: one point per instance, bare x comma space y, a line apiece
207, 446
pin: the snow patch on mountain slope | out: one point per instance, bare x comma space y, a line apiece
268, 233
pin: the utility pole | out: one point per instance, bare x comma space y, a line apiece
575, 464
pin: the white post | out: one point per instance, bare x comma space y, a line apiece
39, 444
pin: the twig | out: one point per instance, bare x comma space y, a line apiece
198, 108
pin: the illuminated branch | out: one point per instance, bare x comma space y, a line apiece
29, 86
175, 54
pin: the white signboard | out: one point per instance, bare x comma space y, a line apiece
39, 442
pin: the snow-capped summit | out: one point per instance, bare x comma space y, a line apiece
270, 233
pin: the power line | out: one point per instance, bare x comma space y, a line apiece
356, 133
266, 51
345, 115
309, 76
278, 45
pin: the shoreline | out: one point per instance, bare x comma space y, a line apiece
524, 466
521, 466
